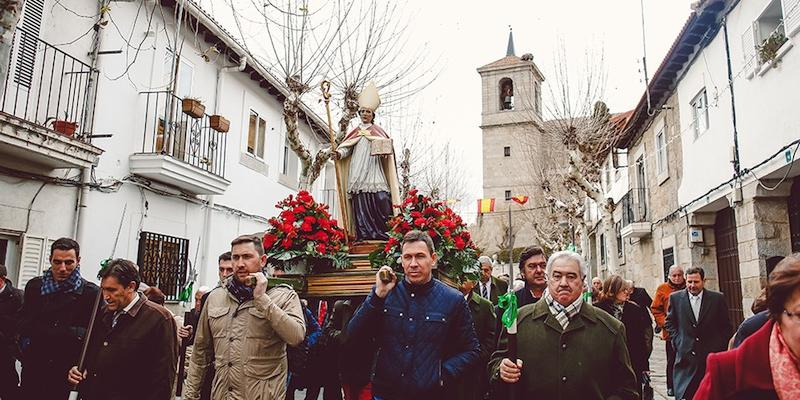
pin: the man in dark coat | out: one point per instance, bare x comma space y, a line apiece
532, 264
55, 315
698, 324
353, 358
422, 327
489, 287
567, 349
474, 384
133, 352
10, 306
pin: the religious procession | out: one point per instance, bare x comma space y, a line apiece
232, 200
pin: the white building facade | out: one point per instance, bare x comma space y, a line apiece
177, 190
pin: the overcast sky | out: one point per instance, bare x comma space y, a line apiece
462, 36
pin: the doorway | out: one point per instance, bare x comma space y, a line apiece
730, 282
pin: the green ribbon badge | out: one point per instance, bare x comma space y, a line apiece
508, 302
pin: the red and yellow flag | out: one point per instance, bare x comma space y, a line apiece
520, 199
485, 206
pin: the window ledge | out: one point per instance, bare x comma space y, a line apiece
774, 63
287, 181
253, 163
662, 178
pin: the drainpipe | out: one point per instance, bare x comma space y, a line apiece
736, 163
86, 173
204, 272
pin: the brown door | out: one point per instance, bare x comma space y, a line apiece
728, 263
794, 215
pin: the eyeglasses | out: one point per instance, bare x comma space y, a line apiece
794, 317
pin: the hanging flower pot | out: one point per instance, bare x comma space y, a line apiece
65, 128
219, 123
193, 107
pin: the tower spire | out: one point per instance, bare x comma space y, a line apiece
510, 49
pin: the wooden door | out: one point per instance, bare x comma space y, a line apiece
730, 282
794, 215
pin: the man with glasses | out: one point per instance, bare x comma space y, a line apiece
566, 349
55, 315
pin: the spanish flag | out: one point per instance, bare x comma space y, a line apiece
485, 206
520, 199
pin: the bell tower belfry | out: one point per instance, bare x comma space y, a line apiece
511, 93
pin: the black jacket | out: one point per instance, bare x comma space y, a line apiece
51, 332
638, 333
136, 359
10, 306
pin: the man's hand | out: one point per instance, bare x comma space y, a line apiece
261, 284
334, 154
510, 372
185, 331
383, 288
75, 377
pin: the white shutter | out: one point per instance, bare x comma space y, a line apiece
791, 16
33, 257
749, 48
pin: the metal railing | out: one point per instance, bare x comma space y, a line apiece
164, 262
169, 131
635, 207
47, 87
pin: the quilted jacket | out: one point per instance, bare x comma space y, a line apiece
425, 338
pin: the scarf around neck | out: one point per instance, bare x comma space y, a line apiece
562, 313
241, 292
69, 285
784, 365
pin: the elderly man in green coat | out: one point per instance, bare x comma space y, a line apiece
567, 349
474, 385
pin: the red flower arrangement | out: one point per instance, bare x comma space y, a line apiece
457, 254
305, 230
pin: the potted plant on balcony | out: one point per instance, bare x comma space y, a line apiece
193, 107
768, 50
456, 252
64, 126
304, 239
219, 123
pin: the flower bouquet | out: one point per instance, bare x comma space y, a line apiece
457, 254
305, 235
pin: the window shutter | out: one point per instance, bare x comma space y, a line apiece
29, 27
33, 258
791, 16
749, 48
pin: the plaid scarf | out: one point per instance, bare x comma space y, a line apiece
563, 314
69, 285
618, 309
241, 292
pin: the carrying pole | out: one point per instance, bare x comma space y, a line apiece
326, 95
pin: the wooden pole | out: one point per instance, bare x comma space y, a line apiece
326, 95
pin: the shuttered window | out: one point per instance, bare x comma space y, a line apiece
29, 27
35, 258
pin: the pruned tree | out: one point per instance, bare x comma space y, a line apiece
10, 13
345, 42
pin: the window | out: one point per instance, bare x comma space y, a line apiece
185, 75
508, 195
668, 258
769, 32
163, 261
700, 113
506, 94
256, 134
30, 26
289, 168
537, 87
602, 248
507, 151
661, 150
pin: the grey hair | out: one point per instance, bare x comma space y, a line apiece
674, 268
571, 256
485, 260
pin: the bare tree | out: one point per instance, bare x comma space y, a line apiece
10, 13
346, 42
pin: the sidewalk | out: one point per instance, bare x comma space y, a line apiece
658, 366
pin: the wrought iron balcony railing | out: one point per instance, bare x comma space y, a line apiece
170, 131
47, 87
634, 207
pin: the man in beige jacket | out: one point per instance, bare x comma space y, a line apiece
244, 329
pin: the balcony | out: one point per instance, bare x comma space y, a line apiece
635, 214
180, 150
47, 107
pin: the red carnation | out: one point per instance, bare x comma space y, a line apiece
269, 240
459, 242
321, 248
286, 243
298, 210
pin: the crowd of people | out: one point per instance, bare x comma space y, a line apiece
412, 337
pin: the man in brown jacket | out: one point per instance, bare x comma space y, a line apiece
133, 350
243, 331
660, 307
